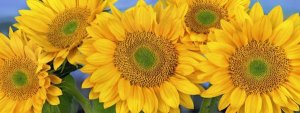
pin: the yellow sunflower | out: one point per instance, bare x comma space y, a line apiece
201, 17
255, 66
24, 82
135, 62
59, 26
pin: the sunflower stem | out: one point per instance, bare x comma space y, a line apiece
209, 105
205, 106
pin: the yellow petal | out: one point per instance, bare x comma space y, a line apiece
224, 101
54, 79
183, 69
103, 73
238, 97
227, 26
294, 39
136, 100
292, 105
39, 25
111, 102
115, 27
124, 88
104, 46
53, 100
265, 29
69, 3
144, 17
99, 59
184, 85
16, 45
220, 76
27, 105
283, 32
169, 94
253, 104
278, 98
217, 59
175, 110
217, 89
88, 69
54, 91
151, 102
267, 106
57, 62
220, 47
19, 107
108, 84
208, 67
256, 11
46, 57
224, 37
8, 106
162, 106
82, 3
108, 93
93, 95
40, 7
295, 18
189, 61
276, 16
115, 11
231, 109
295, 94
121, 107
102, 26
186, 101
57, 5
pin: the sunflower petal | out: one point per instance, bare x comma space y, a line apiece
169, 94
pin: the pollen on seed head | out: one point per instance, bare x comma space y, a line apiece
259, 67
145, 59
18, 78
68, 28
203, 16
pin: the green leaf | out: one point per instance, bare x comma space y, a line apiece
47, 108
98, 108
69, 87
67, 103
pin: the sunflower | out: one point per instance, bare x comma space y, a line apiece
25, 84
201, 17
135, 62
255, 66
60, 26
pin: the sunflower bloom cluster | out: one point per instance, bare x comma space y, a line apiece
150, 58
25, 84
61, 26
135, 61
254, 66
200, 18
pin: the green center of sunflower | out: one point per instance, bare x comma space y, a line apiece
19, 78
145, 57
69, 28
258, 68
203, 16
206, 17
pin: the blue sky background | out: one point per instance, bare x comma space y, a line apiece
9, 8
